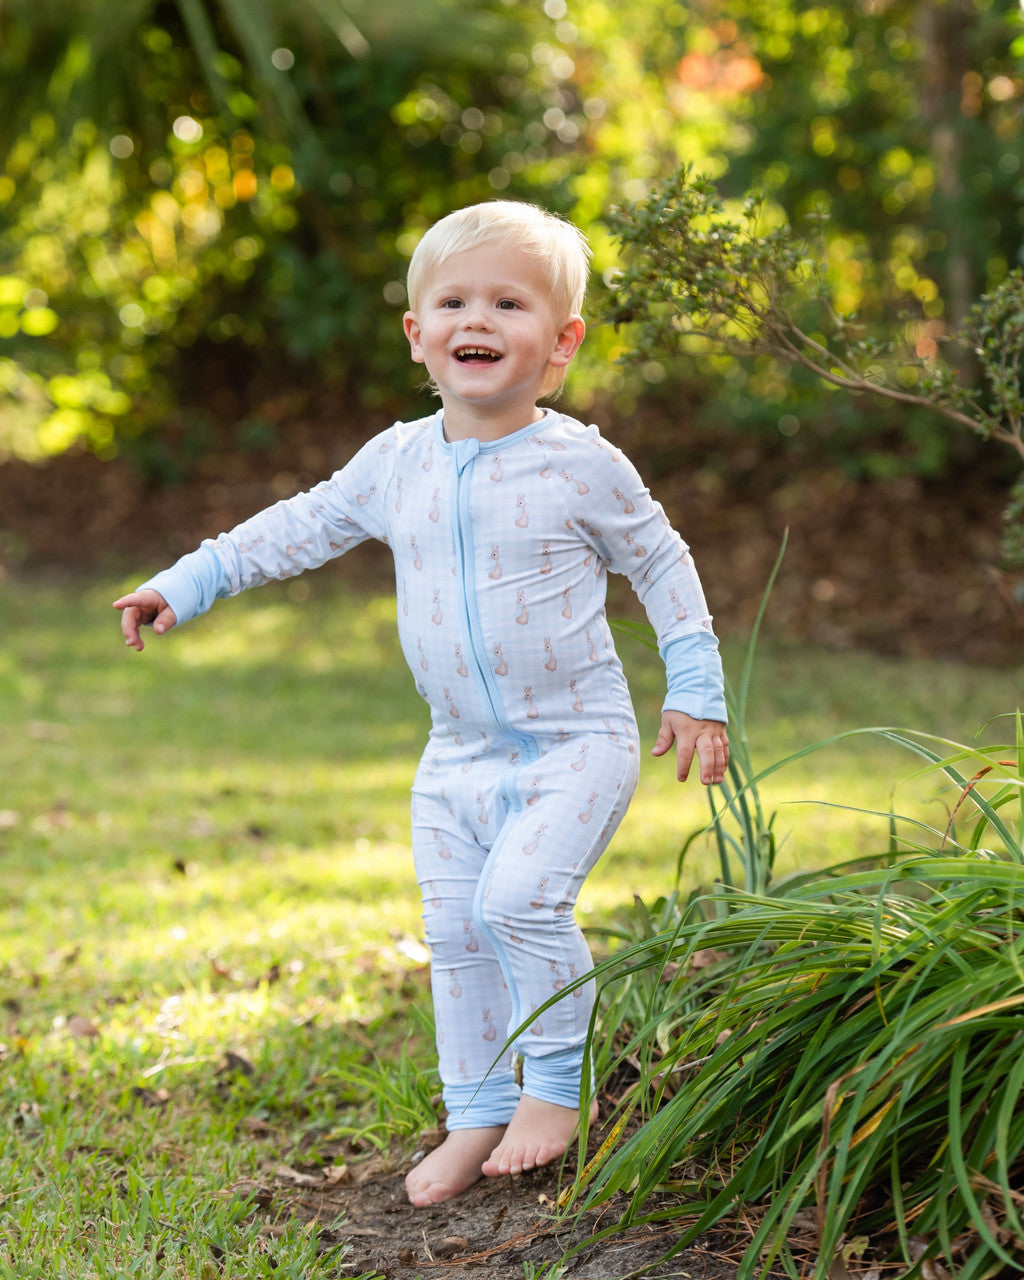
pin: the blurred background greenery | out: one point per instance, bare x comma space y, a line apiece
207, 208
206, 203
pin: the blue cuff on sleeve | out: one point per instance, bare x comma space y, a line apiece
192, 584
693, 669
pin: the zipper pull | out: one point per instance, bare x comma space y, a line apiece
464, 452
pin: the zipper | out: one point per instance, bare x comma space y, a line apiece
464, 453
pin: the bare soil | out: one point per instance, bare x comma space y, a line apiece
500, 1229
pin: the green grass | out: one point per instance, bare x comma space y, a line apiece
204, 853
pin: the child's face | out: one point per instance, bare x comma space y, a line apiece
486, 331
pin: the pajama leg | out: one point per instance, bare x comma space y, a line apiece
472, 1003
569, 806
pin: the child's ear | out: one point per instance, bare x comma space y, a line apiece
567, 343
412, 332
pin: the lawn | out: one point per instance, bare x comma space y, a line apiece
209, 926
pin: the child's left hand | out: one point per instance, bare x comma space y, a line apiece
707, 738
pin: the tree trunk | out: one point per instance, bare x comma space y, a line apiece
943, 28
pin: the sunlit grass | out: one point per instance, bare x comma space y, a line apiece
205, 852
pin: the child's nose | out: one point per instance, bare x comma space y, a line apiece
476, 316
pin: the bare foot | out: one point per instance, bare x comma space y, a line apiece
538, 1133
452, 1167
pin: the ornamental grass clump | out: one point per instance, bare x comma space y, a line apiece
840, 1065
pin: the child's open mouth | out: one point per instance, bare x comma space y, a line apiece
467, 355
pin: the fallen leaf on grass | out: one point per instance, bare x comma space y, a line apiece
367, 1170
335, 1175
450, 1246
931, 1268
296, 1177
29, 1113
246, 1189
236, 1063
155, 1098
81, 1028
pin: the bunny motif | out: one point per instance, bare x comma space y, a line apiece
552, 662
627, 506
533, 845
588, 812
501, 554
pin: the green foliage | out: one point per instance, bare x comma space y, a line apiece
205, 198
701, 276
841, 1058
244, 188
849, 1067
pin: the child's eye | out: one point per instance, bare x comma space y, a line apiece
452, 303
507, 304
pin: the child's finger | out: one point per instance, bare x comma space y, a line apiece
713, 759
684, 759
130, 627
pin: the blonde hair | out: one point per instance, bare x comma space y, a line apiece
560, 248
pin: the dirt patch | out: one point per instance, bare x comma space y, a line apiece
500, 1229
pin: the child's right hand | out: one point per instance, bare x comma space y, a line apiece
138, 609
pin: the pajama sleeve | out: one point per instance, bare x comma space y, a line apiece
285, 539
696, 684
191, 585
613, 509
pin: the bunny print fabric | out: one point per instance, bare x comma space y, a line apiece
501, 552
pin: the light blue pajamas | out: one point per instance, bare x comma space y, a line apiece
501, 552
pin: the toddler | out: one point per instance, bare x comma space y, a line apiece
503, 518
